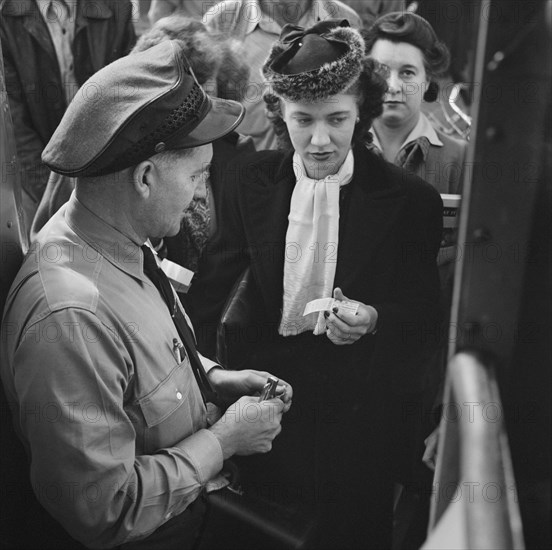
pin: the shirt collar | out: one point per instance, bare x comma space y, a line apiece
316, 12
423, 128
68, 4
104, 239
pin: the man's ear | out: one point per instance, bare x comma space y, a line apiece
144, 178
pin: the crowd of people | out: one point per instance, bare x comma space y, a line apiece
283, 143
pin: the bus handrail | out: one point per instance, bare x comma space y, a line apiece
473, 461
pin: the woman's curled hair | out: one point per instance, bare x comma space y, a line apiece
415, 30
211, 55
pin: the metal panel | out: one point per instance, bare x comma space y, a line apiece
511, 87
474, 473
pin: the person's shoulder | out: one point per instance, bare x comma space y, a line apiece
47, 285
455, 146
256, 166
119, 8
17, 8
234, 143
415, 188
255, 171
68, 269
228, 151
419, 196
252, 157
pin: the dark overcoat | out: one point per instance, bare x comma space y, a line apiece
349, 401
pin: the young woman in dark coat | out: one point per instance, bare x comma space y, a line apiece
329, 219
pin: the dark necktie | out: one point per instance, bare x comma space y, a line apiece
413, 154
160, 280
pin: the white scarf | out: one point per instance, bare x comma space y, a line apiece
311, 245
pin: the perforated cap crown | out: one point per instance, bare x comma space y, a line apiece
134, 108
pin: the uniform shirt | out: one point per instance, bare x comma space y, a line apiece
113, 422
259, 30
59, 16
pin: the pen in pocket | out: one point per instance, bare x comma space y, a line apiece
177, 347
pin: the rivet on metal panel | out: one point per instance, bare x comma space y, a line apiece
497, 59
492, 133
481, 235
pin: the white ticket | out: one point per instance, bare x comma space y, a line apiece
327, 304
180, 277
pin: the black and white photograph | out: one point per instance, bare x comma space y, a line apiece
275, 274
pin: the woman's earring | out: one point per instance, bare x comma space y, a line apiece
357, 120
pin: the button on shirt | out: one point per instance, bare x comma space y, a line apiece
59, 16
107, 411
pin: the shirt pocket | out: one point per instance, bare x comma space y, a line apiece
173, 410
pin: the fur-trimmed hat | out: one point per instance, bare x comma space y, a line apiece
315, 63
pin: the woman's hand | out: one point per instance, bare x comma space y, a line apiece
344, 328
230, 385
430, 454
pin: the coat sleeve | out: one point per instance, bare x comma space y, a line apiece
224, 259
409, 326
29, 144
128, 36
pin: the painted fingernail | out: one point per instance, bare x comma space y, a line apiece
335, 309
326, 314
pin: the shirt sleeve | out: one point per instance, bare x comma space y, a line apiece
208, 364
71, 375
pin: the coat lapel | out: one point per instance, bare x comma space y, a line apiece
34, 23
267, 202
95, 11
374, 208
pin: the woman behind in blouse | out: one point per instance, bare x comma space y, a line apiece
414, 58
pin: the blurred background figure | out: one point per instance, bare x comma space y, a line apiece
189, 8
454, 21
257, 24
370, 10
220, 69
50, 48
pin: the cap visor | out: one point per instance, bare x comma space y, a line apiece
224, 116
